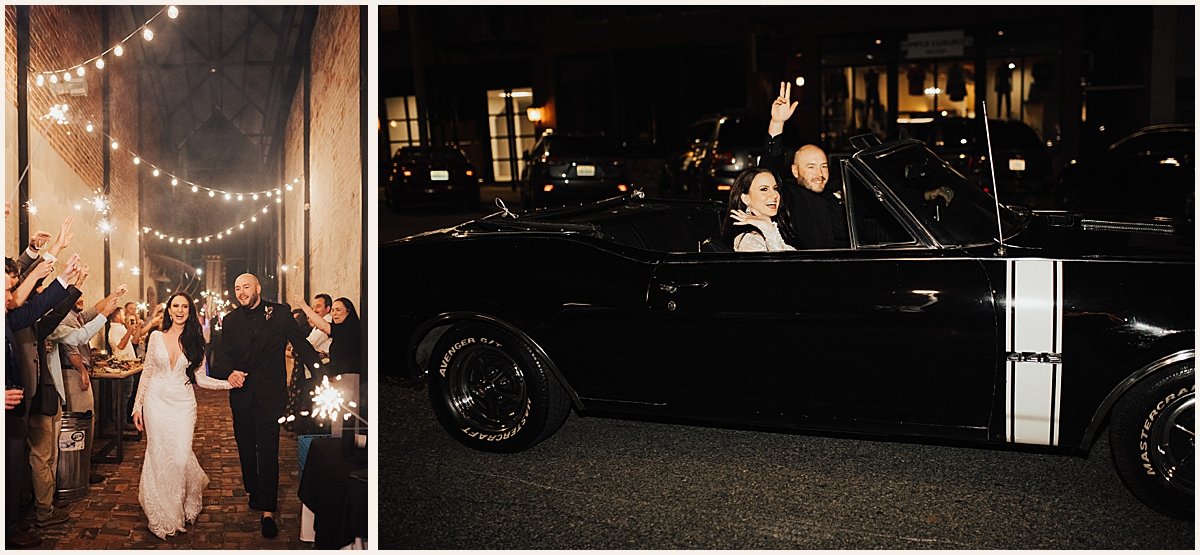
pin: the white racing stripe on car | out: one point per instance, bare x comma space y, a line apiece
1033, 325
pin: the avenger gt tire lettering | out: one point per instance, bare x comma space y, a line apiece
491, 390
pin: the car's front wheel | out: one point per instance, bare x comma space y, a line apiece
1153, 440
491, 390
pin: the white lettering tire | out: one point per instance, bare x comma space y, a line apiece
491, 391
1152, 439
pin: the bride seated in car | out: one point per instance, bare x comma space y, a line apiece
753, 204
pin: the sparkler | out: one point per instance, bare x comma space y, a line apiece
328, 404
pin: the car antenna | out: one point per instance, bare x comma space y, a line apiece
987, 133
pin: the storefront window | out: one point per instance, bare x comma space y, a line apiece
937, 89
1024, 88
502, 124
854, 102
402, 122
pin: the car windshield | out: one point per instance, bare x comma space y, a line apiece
432, 155
953, 209
583, 146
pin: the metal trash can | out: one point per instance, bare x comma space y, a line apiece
74, 456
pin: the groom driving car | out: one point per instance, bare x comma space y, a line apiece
250, 355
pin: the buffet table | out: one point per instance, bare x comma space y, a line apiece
111, 400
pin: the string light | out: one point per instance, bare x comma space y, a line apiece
117, 50
205, 238
176, 180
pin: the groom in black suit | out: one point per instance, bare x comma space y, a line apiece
250, 355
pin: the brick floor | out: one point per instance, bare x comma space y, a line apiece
110, 517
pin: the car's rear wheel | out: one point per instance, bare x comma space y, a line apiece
491, 391
1153, 440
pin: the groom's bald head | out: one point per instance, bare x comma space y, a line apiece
247, 290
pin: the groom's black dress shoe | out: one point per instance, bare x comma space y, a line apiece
269, 529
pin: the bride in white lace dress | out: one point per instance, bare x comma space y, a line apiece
172, 480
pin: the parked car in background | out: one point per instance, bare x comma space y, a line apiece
573, 168
431, 174
1150, 172
715, 150
1023, 161
946, 318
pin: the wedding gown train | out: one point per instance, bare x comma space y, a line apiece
172, 482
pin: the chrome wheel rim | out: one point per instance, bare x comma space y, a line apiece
486, 390
1173, 443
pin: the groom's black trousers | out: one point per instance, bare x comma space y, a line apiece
257, 435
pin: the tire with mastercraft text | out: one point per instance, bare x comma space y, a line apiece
1152, 439
491, 391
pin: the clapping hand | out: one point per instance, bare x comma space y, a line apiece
72, 268
64, 233
39, 240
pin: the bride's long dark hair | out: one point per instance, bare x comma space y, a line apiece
192, 337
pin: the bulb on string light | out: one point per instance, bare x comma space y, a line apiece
296, 180
289, 187
195, 188
255, 197
264, 210
99, 63
145, 230
66, 76
137, 160
119, 50
278, 192
41, 80
278, 200
53, 78
268, 194
172, 12
174, 182
90, 127
155, 172
228, 196
220, 236
211, 194
115, 145
239, 197
242, 226
148, 34
253, 219
80, 71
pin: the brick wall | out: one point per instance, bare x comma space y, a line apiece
66, 162
335, 163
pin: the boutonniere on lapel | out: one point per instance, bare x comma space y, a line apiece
269, 310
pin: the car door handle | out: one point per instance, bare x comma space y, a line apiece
671, 287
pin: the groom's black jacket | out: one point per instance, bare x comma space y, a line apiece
253, 341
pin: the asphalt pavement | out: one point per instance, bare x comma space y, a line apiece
602, 483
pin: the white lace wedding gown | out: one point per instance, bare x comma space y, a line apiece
172, 480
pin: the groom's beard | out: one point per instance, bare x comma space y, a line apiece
252, 301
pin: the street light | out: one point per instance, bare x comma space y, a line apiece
535, 114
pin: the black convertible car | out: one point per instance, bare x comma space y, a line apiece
928, 327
